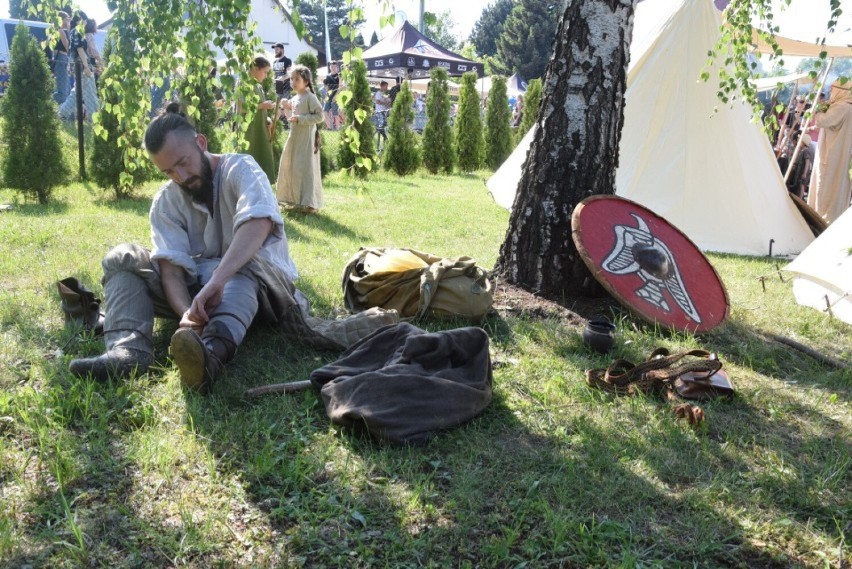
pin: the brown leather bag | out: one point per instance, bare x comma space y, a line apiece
416, 283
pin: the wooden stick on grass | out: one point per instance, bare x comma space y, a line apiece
292, 387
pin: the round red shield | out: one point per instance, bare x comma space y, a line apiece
648, 265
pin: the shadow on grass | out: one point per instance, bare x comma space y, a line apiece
491, 492
139, 205
509, 487
743, 344
294, 223
35, 209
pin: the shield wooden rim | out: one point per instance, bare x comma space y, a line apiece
599, 273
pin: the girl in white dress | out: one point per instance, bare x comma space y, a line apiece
299, 177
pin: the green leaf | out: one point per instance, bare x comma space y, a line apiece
360, 115
343, 97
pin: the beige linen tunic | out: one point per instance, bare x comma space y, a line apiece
184, 231
299, 177
830, 187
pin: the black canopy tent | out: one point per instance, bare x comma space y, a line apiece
408, 53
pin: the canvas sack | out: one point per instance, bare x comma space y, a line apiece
415, 283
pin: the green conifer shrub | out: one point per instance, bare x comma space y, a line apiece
310, 61
402, 154
438, 134
468, 126
106, 159
357, 151
498, 131
532, 100
202, 95
33, 162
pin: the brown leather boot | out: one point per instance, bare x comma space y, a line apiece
80, 305
201, 359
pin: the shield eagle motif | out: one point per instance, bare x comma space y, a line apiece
648, 265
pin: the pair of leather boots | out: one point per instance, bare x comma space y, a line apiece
80, 305
199, 359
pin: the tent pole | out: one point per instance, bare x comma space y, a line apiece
807, 124
328, 56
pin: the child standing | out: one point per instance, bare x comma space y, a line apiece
299, 177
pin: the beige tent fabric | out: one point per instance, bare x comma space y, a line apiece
798, 48
830, 189
714, 176
824, 270
771, 83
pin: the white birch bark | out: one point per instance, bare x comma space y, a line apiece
575, 153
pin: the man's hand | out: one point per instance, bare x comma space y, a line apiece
207, 299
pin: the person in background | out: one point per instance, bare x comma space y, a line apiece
80, 53
258, 134
95, 60
60, 60
281, 71
792, 124
830, 188
299, 177
332, 86
800, 173
518, 113
382, 103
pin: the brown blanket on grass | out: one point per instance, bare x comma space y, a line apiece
401, 383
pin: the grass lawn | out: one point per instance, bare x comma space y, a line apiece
553, 474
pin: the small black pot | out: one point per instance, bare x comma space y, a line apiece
599, 335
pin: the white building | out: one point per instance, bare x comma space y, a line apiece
274, 25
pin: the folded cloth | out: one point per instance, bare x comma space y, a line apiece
284, 306
401, 384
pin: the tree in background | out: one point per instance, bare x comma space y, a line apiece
532, 101
311, 14
468, 127
402, 154
437, 134
498, 131
199, 89
310, 61
106, 160
357, 151
33, 162
488, 28
439, 28
374, 39
27, 10
526, 42
576, 151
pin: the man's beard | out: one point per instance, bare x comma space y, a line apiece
203, 193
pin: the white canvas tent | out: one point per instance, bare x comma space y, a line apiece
771, 83
714, 177
823, 272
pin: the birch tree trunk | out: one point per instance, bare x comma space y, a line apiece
575, 152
